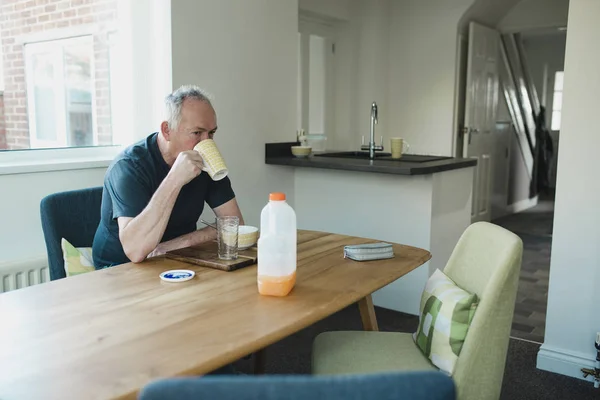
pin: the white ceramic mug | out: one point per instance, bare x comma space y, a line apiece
213, 161
399, 146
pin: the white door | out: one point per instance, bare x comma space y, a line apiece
480, 114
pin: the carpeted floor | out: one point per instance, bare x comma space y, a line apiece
534, 227
521, 379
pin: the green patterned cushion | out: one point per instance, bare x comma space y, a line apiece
445, 315
78, 260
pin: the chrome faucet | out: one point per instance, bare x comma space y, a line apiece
372, 147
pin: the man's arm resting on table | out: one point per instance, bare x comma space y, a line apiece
229, 208
140, 235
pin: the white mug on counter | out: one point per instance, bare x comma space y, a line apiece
398, 146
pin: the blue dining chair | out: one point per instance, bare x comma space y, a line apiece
430, 385
73, 215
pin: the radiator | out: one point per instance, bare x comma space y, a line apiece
19, 274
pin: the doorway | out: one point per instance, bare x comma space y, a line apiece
533, 223
517, 202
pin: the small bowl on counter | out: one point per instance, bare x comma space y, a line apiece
247, 236
301, 151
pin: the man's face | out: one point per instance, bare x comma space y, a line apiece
198, 122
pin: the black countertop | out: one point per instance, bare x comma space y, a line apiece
281, 154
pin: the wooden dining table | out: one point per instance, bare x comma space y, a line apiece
107, 333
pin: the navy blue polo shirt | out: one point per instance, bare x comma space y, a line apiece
129, 184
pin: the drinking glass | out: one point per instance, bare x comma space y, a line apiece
227, 237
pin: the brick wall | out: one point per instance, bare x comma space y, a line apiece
20, 18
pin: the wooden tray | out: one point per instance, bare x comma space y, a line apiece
206, 255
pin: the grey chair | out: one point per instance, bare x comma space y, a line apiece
389, 386
73, 215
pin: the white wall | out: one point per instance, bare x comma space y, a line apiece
486, 12
422, 72
373, 64
346, 126
337, 9
574, 293
371, 217
245, 54
402, 55
21, 235
361, 66
530, 14
451, 213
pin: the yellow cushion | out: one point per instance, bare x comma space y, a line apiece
78, 260
358, 352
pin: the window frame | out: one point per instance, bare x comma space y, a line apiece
559, 110
56, 48
132, 25
61, 158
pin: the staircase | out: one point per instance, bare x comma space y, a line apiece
520, 94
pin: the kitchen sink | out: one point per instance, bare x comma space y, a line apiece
413, 158
352, 154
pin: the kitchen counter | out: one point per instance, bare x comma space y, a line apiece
280, 154
421, 201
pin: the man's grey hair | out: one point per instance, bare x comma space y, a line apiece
174, 102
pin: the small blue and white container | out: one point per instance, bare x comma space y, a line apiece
177, 275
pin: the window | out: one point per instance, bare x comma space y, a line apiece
60, 92
557, 101
315, 80
57, 74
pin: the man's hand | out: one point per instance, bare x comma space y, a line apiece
200, 236
158, 251
186, 167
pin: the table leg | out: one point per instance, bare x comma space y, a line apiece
259, 362
367, 314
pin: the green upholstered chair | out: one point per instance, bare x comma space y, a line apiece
485, 261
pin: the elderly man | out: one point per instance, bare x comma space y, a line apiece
155, 190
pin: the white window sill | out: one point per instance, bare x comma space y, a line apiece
51, 166
26, 162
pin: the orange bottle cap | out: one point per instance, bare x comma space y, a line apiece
277, 196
